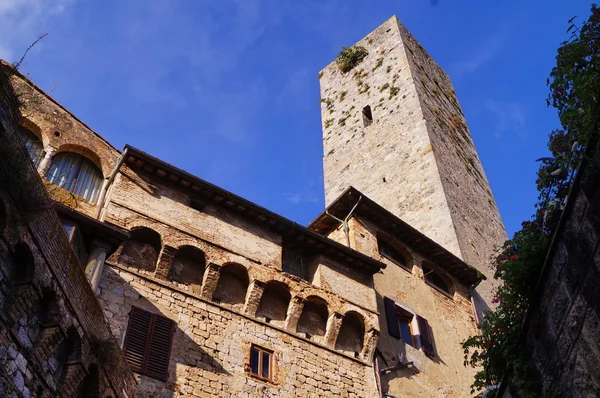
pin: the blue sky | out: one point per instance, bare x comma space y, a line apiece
228, 89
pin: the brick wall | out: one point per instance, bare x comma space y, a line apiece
50, 309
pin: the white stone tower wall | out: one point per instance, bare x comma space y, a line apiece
417, 158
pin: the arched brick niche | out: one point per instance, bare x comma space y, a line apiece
141, 249
69, 357
188, 267
46, 320
90, 385
351, 335
232, 285
274, 303
23, 266
313, 320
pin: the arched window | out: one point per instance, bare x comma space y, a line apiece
351, 335
313, 320
188, 266
68, 352
432, 278
23, 267
232, 285
76, 174
90, 386
141, 249
394, 252
34, 146
274, 303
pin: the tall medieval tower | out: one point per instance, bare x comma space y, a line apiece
393, 129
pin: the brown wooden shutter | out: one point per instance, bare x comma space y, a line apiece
392, 317
426, 337
148, 343
137, 338
159, 352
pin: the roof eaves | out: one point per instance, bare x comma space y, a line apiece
278, 221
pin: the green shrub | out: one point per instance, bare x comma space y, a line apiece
349, 57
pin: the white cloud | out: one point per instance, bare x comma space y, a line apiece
510, 118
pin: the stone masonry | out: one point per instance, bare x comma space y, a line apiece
564, 326
416, 157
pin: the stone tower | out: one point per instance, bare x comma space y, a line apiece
393, 129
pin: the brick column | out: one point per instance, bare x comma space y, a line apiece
44, 165
95, 263
210, 281
293, 314
164, 263
22, 297
369, 344
255, 291
334, 322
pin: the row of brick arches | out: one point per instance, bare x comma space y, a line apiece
231, 285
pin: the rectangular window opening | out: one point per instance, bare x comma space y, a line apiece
261, 363
367, 116
294, 264
405, 319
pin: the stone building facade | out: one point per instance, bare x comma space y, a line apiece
208, 294
393, 129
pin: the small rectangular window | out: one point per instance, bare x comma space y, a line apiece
261, 362
367, 116
294, 264
405, 323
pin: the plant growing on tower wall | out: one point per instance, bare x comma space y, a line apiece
349, 57
500, 348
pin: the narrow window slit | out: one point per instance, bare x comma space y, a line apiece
367, 116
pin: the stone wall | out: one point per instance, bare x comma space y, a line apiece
416, 158
211, 346
391, 160
51, 325
564, 328
475, 216
449, 316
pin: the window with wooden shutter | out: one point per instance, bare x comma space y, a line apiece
426, 337
148, 343
392, 317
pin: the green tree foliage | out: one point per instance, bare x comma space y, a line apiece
574, 90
